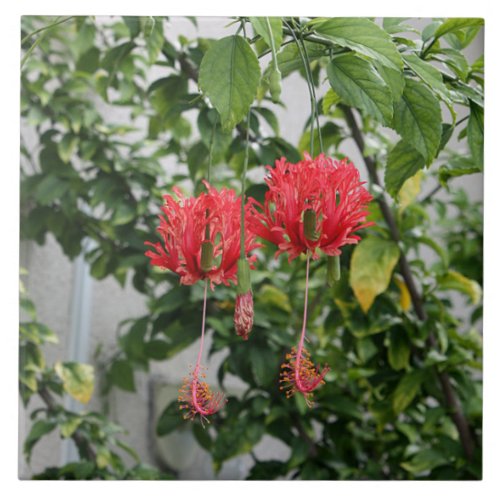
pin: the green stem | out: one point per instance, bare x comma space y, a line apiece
243, 189
48, 27
308, 70
309, 86
273, 47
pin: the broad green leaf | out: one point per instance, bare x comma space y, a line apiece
455, 60
358, 84
428, 74
262, 363
133, 24
393, 78
261, 27
399, 350
68, 427
409, 191
122, 375
453, 280
103, 457
475, 133
406, 390
229, 76
211, 132
364, 36
38, 430
270, 118
50, 188
417, 119
66, 147
403, 163
169, 420
456, 24
330, 134
425, 460
465, 166
395, 25
154, 38
289, 59
78, 380
330, 99
372, 263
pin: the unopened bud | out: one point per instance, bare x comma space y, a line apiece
332, 269
207, 256
310, 225
243, 314
275, 84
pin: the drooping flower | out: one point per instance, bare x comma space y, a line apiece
313, 204
201, 237
201, 241
300, 375
196, 397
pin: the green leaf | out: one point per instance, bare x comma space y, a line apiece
289, 59
122, 375
169, 420
78, 380
455, 60
66, 147
229, 76
263, 363
428, 74
330, 99
358, 84
273, 296
260, 27
133, 24
417, 119
453, 280
156, 349
208, 125
364, 36
406, 390
154, 38
372, 263
50, 188
68, 427
456, 24
39, 429
425, 460
403, 162
393, 78
475, 133
398, 353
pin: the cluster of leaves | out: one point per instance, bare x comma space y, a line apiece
93, 434
382, 413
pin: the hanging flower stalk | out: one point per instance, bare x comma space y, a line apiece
201, 241
243, 307
313, 205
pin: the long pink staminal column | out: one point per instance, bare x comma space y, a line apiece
195, 395
298, 372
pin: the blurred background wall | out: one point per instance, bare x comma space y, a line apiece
85, 313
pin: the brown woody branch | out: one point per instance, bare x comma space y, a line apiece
450, 397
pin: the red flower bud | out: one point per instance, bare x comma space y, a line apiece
243, 314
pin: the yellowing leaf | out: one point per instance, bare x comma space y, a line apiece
78, 380
453, 280
372, 264
409, 191
272, 295
405, 299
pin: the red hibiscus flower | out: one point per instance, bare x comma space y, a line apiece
313, 204
201, 241
190, 226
